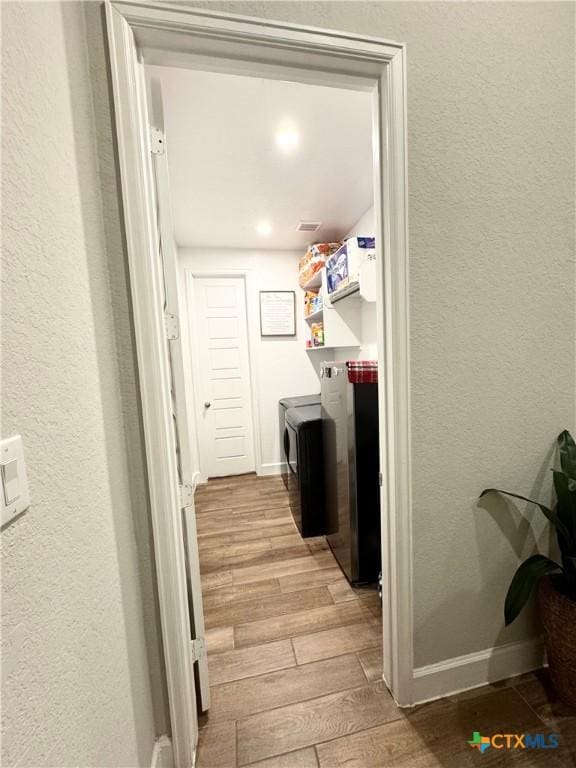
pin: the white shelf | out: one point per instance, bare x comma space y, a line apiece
315, 281
364, 288
349, 290
332, 346
315, 316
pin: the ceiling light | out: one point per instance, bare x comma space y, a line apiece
264, 229
287, 139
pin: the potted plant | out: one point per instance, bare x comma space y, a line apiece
556, 581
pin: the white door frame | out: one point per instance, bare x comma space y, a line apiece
162, 33
190, 274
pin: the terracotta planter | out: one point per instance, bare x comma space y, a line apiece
558, 615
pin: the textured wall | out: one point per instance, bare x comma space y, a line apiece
491, 180
491, 204
76, 688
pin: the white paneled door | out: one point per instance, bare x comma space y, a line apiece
224, 410
188, 619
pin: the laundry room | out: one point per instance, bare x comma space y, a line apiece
269, 195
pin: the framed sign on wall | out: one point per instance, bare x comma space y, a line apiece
277, 313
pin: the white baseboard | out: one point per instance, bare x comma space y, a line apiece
475, 669
198, 479
162, 756
272, 468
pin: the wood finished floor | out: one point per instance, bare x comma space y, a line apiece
294, 656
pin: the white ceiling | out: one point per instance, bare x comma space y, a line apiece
228, 175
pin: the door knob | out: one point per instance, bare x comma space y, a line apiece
207, 404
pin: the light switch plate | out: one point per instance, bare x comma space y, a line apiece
15, 496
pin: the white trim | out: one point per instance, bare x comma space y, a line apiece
162, 756
476, 669
393, 372
310, 55
198, 479
146, 279
363, 50
253, 321
272, 468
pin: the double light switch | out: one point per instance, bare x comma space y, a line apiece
15, 496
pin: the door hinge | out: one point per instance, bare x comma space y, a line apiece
198, 649
186, 496
380, 479
172, 326
157, 141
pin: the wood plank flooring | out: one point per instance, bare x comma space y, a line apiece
295, 666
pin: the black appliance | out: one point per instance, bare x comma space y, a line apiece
305, 476
283, 405
351, 471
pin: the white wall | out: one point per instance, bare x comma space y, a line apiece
76, 687
491, 198
283, 367
365, 226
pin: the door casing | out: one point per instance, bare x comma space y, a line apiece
161, 33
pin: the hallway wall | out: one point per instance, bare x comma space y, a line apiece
82, 681
491, 125
491, 207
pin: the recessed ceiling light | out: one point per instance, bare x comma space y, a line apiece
287, 139
264, 229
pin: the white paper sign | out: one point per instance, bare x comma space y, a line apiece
277, 313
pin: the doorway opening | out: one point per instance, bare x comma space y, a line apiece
275, 240
216, 44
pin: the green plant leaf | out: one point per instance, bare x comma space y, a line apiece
567, 448
523, 583
549, 513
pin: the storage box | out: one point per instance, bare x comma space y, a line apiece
343, 266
